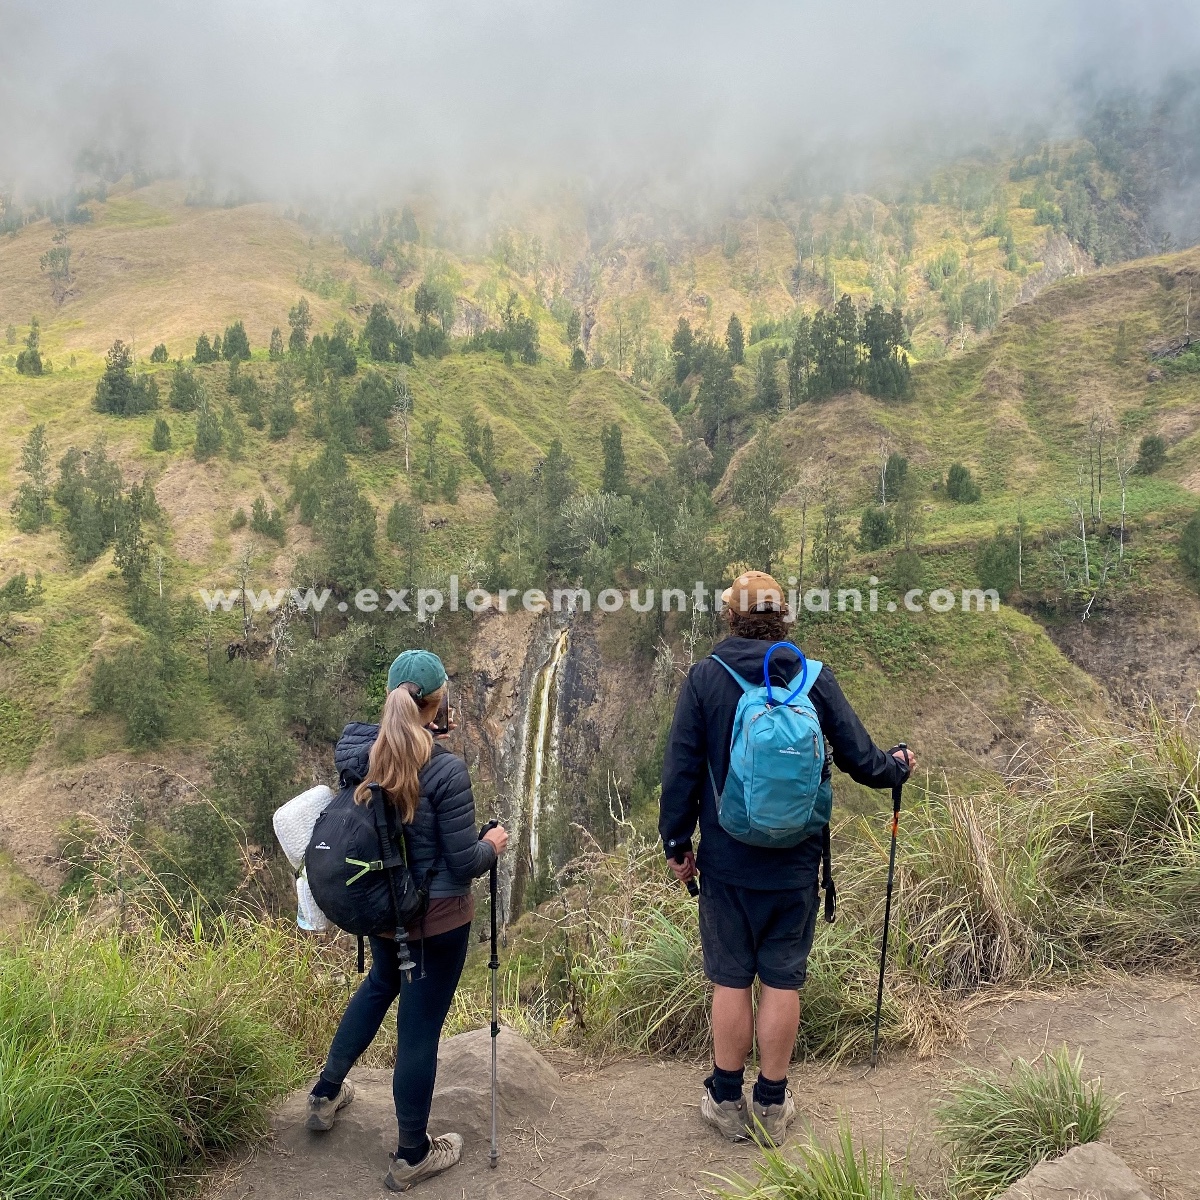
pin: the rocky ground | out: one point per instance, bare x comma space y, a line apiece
631, 1130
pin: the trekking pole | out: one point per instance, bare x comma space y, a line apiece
897, 793
494, 968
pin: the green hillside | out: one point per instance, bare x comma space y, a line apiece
1070, 369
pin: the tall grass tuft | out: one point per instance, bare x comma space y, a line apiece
614, 965
997, 1128
127, 1062
837, 1172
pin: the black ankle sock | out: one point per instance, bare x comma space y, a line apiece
725, 1085
413, 1154
770, 1091
324, 1090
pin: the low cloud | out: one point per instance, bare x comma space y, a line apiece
367, 98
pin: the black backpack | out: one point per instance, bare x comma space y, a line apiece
357, 868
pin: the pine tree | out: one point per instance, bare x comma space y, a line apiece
29, 360
406, 530
161, 439
131, 549
31, 507
208, 433
282, 415
300, 322
204, 350
735, 340
275, 352
186, 394
768, 395
800, 360
613, 479
683, 350
236, 345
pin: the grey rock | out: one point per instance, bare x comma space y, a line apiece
1091, 1172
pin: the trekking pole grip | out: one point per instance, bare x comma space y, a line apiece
898, 790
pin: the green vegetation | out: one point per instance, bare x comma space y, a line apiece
1152, 453
161, 438
29, 360
997, 1128
1086, 861
816, 1172
132, 1060
119, 391
1189, 549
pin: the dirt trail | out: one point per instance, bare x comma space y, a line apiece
631, 1130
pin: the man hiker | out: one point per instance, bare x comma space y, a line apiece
758, 903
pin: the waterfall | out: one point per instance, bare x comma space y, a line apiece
540, 741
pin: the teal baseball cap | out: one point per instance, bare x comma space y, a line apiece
420, 667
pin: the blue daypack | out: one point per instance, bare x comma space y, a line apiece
774, 793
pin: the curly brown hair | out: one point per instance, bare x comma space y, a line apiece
761, 626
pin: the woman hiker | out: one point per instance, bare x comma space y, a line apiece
431, 790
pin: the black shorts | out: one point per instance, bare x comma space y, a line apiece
745, 932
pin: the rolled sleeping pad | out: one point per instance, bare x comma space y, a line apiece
294, 822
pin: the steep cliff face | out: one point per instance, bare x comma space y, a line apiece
535, 717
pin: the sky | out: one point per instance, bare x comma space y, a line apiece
366, 98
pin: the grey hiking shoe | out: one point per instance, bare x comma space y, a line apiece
729, 1117
444, 1151
323, 1112
771, 1120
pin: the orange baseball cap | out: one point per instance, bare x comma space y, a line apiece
754, 591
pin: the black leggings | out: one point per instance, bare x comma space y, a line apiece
420, 1015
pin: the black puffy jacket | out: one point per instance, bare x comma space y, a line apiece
443, 834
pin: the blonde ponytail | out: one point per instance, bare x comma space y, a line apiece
400, 752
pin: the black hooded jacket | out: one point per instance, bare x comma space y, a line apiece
701, 734
443, 835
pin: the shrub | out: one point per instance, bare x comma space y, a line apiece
159, 353
238, 520
1152, 453
450, 484
199, 859
253, 771
17, 595
997, 1129
578, 359
186, 394
875, 529
894, 475
960, 486
1189, 548
161, 439
267, 521
131, 684
275, 349
906, 571
996, 563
